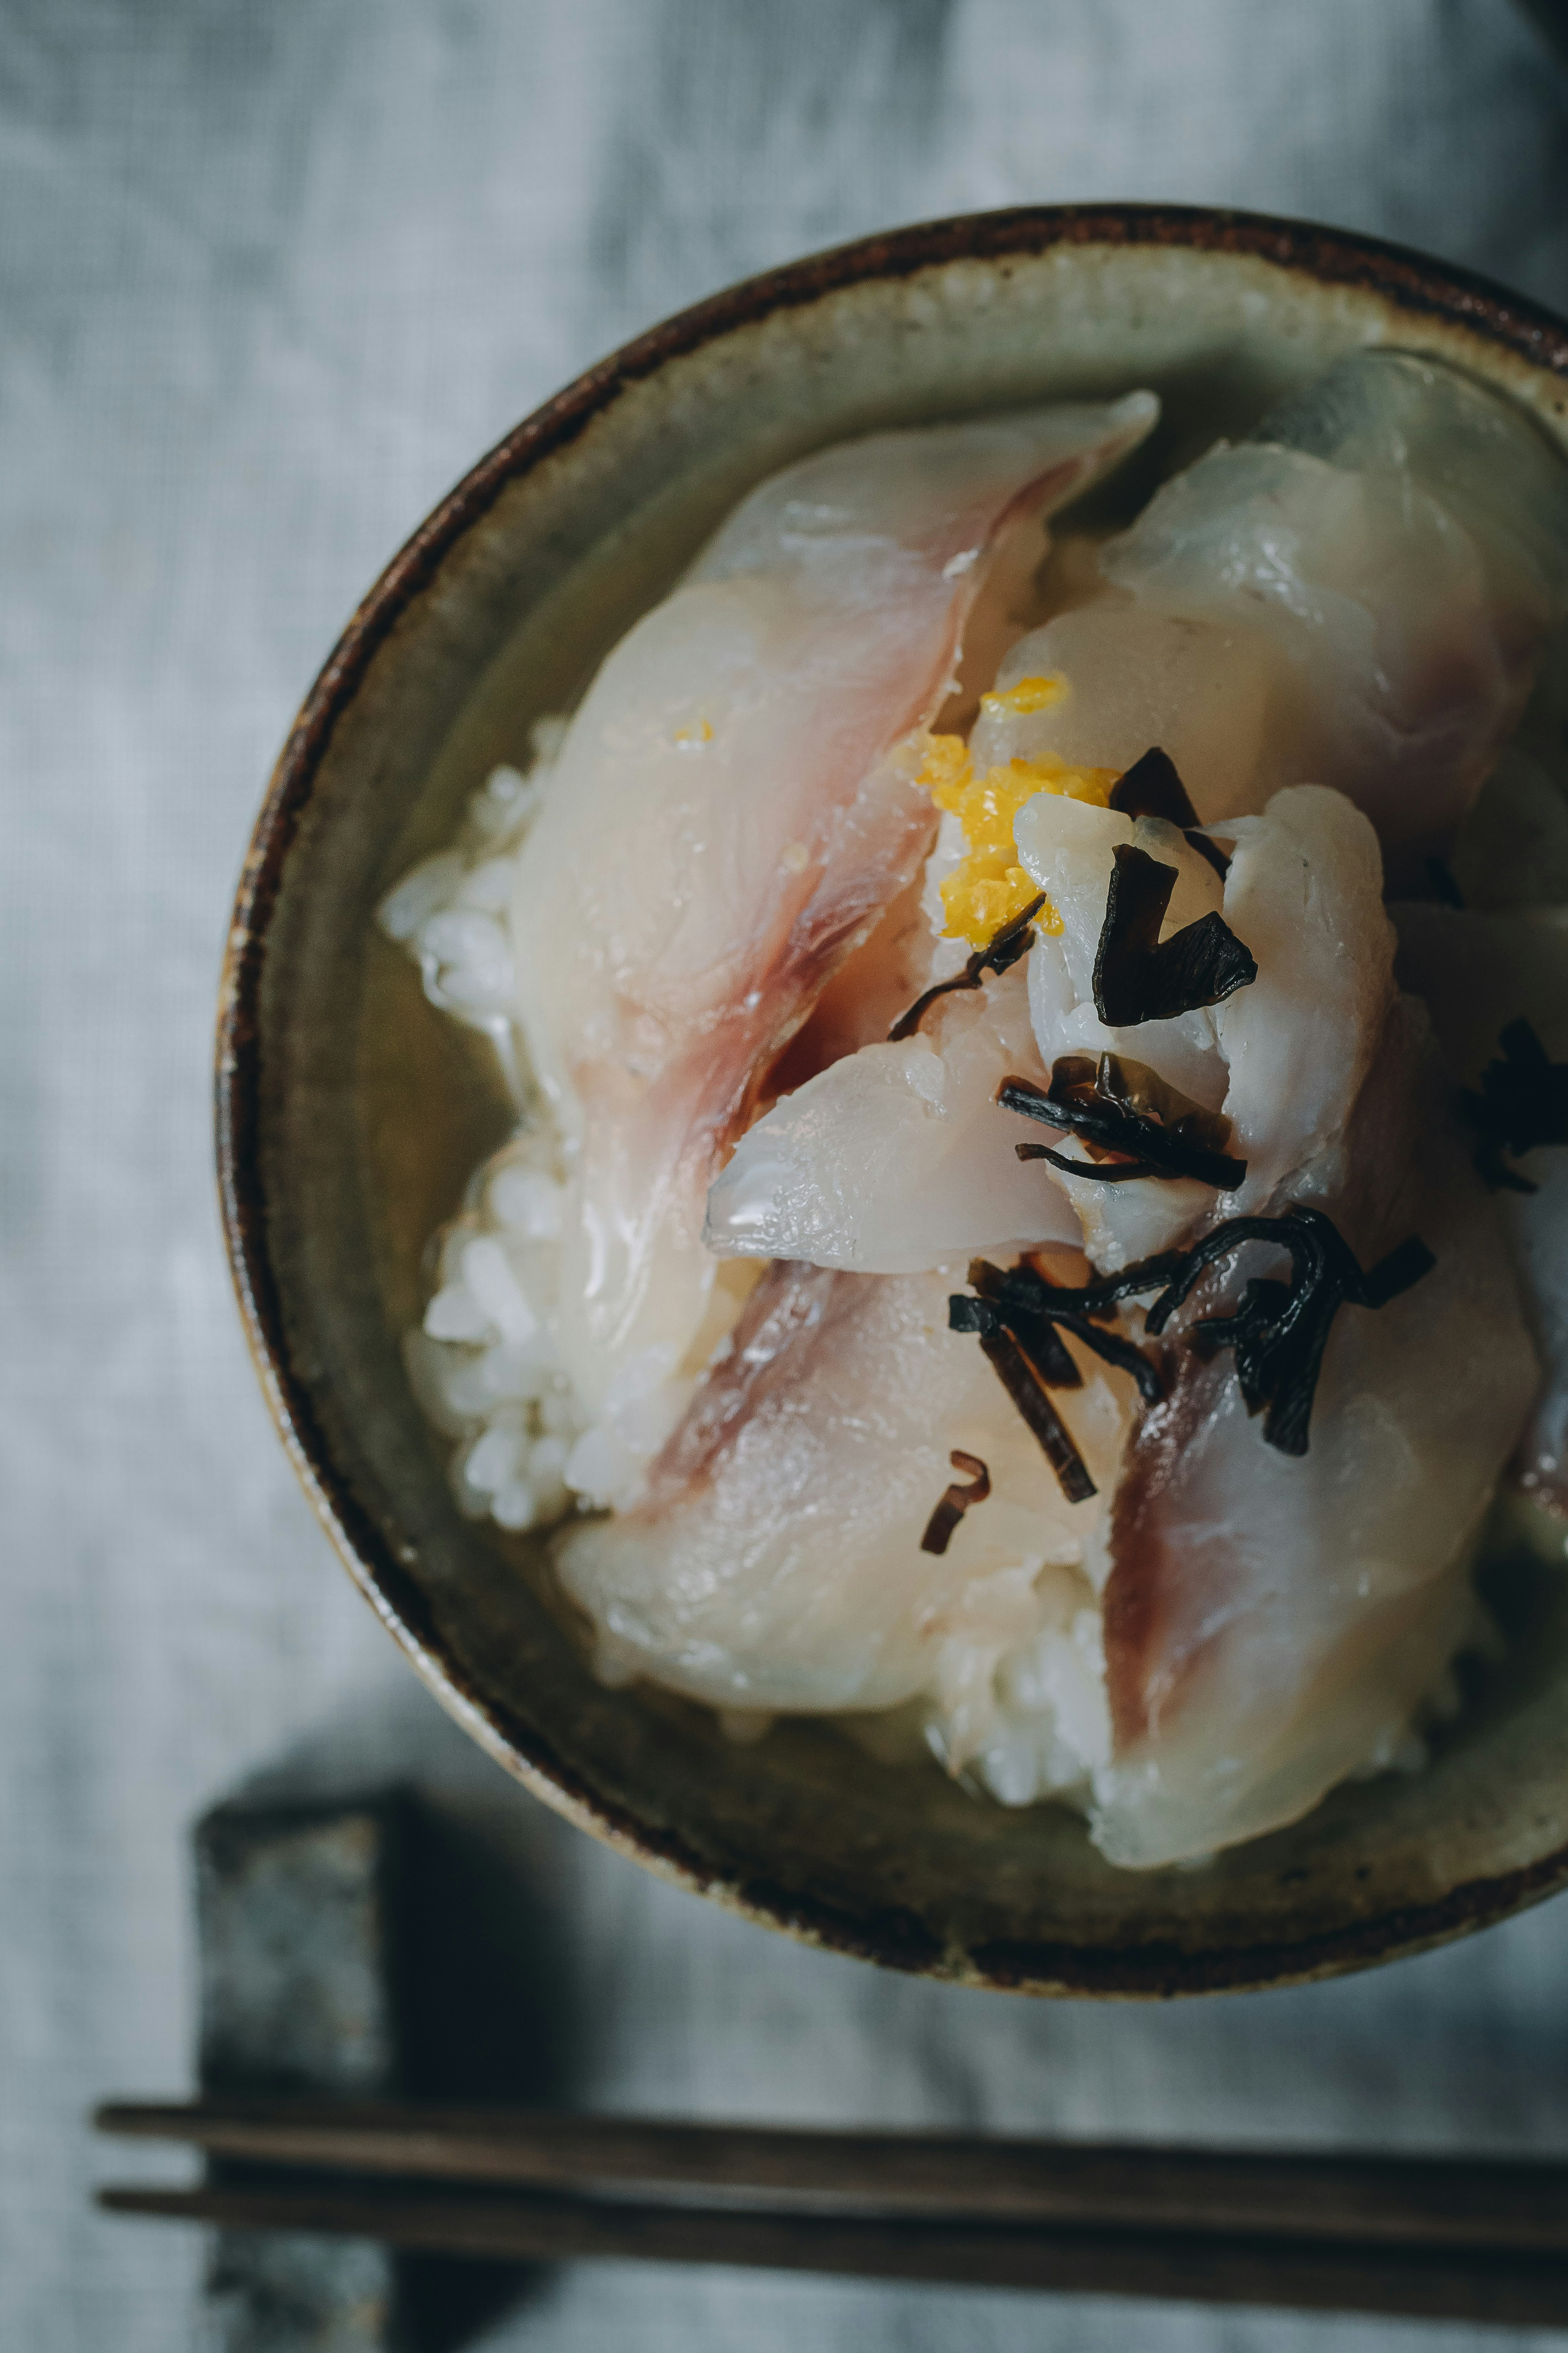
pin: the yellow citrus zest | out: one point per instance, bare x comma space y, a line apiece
1030, 694
988, 888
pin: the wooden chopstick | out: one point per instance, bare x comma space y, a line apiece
1353, 2200
1502, 2287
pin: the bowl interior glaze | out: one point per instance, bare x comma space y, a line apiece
351, 1113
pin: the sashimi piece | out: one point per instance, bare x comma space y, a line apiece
1304, 892
775, 1561
897, 1158
1359, 597
1270, 1621
732, 813
1479, 973
1218, 697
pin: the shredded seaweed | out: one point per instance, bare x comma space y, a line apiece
1027, 1358
1152, 787
1011, 941
1117, 1105
1280, 1330
1522, 1104
1019, 1376
956, 1501
1138, 977
1016, 1317
1034, 1308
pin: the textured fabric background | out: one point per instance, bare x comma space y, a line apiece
269, 278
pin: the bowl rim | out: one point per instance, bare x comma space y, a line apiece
1406, 279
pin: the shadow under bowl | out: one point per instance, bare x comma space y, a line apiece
350, 1115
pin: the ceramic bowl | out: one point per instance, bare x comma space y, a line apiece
350, 1113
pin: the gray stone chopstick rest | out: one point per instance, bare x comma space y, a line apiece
297, 1912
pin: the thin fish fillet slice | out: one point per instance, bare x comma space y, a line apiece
1271, 1622
775, 1561
897, 1158
730, 816
1358, 596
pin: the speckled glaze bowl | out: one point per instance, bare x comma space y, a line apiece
350, 1115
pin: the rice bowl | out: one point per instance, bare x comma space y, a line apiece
1038, 1887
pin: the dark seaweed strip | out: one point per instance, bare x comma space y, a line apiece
1135, 1087
1026, 1305
1051, 1360
1138, 977
1522, 1104
1097, 1102
1011, 941
1098, 1172
1152, 787
1123, 1354
1279, 1346
1395, 1272
1017, 1377
956, 1501
1280, 1330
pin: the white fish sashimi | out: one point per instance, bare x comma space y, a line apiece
897, 1158
1271, 1622
774, 1560
1214, 695
730, 817
1359, 597
1305, 893
1479, 973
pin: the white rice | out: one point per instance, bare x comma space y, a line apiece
1028, 1720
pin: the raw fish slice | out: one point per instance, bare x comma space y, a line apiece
1479, 973
897, 1158
730, 816
1404, 533
1359, 598
1271, 1622
1305, 893
776, 1560
1218, 698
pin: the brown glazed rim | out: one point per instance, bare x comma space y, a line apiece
1409, 282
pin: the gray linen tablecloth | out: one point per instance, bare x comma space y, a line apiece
270, 277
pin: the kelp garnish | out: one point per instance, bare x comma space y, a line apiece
1117, 1105
1280, 1330
1523, 1103
1138, 978
956, 1501
1014, 940
1153, 788
1016, 1318
1024, 1380
1033, 1308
